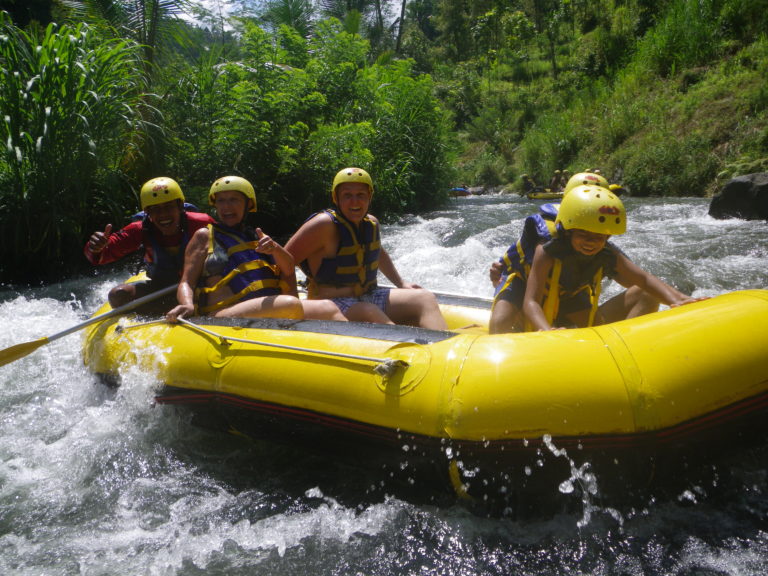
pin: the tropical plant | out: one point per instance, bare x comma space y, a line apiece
151, 23
369, 18
409, 144
296, 14
71, 103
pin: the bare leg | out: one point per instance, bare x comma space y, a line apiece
282, 306
322, 310
367, 312
416, 307
505, 317
631, 303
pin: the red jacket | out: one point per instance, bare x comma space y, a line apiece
131, 238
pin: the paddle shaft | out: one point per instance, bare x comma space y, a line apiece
17, 351
449, 294
116, 311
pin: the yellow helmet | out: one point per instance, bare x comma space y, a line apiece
232, 183
592, 208
158, 191
583, 179
351, 175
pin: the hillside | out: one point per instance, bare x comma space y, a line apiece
675, 111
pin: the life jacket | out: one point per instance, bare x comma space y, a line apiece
541, 229
356, 262
163, 263
247, 273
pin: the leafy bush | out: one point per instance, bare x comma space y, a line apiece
289, 130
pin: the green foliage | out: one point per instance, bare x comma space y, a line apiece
293, 46
671, 94
294, 14
151, 23
668, 166
631, 86
72, 109
687, 36
410, 139
289, 130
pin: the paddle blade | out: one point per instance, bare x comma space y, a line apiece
20, 350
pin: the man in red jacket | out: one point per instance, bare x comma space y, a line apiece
163, 233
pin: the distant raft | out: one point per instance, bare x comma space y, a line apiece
485, 409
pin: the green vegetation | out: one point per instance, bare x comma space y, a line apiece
666, 96
72, 113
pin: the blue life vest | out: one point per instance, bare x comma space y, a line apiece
537, 229
356, 262
166, 263
246, 272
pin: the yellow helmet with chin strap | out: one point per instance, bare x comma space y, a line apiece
158, 191
592, 208
584, 179
235, 183
350, 175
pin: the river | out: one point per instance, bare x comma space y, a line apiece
97, 481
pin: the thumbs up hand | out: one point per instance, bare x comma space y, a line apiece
98, 240
266, 244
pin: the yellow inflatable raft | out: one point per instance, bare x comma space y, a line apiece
462, 399
546, 194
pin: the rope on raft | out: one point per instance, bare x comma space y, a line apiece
384, 367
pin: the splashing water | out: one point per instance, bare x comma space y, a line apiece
96, 480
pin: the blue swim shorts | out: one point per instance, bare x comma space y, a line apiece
378, 296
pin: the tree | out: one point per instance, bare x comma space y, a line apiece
23, 12
151, 23
365, 17
294, 13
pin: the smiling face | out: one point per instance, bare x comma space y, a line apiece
353, 199
166, 216
230, 206
587, 243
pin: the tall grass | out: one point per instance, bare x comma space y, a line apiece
71, 104
688, 35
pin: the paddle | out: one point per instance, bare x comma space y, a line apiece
20, 350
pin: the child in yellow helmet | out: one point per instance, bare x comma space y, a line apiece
574, 260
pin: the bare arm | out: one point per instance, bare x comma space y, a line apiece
630, 274
194, 259
313, 239
494, 272
388, 268
282, 257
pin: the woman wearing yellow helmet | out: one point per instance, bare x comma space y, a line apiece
553, 278
232, 270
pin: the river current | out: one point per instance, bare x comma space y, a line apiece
98, 481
